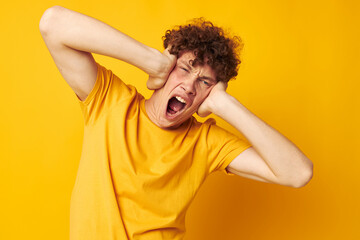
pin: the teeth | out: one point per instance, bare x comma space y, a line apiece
180, 99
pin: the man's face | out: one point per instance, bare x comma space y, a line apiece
186, 88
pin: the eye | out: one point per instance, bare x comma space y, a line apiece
205, 82
186, 70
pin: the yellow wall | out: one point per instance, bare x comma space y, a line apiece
300, 74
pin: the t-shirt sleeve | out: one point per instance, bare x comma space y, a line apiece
223, 147
108, 91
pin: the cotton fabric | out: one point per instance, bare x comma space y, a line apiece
136, 180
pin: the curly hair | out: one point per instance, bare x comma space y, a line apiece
209, 44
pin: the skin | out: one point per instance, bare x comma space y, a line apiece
192, 83
71, 37
273, 158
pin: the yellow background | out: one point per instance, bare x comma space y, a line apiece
300, 74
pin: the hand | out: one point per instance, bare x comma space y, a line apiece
168, 63
208, 106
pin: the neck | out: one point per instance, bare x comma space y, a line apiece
155, 111
151, 110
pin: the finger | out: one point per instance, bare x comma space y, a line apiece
154, 83
222, 85
202, 112
167, 50
173, 60
172, 57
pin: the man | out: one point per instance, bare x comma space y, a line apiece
144, 160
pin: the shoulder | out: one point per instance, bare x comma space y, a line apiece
108, 92
210, 130
113, 83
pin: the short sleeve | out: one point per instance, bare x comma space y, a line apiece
107, 92
223, 148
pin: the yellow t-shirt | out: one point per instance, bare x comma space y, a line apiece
136, 180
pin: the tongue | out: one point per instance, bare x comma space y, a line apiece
175, 105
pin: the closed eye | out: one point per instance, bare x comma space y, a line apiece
184, 69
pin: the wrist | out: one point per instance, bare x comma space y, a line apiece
153, 62
162, 63
221, 102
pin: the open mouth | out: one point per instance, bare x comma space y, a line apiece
175, 105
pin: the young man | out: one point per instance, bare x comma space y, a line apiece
144, 160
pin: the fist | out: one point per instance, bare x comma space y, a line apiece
167, 64
213, 100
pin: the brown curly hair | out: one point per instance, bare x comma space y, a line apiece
209, 44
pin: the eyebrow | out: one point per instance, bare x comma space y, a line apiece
202, 77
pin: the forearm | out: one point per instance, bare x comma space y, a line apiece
282, 156
88, 34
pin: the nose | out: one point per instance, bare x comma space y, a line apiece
189, 85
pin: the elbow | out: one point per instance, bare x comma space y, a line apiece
47, 19
306, 176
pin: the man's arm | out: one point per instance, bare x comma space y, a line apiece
71, 37
273, 158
